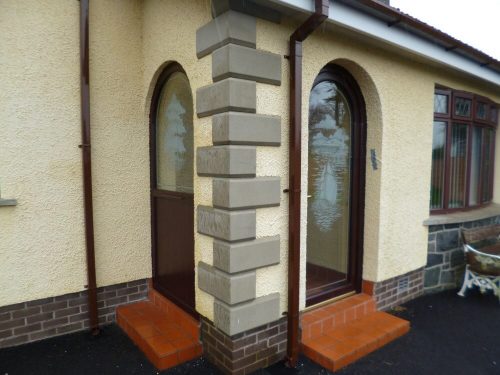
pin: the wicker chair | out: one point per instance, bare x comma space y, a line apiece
482, 253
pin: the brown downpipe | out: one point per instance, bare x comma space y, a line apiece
87, 166
296, 39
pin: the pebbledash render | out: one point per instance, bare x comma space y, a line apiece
200, 117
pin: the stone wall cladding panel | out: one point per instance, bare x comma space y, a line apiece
230, 94
240, 318
246, 129
231, 289
226, 225
246, 63
445, 260
248, 255
40, 319
246, 193
387, 295
246, 352
230, 27
226, 161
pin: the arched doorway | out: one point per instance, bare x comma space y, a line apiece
336, 172
172, 210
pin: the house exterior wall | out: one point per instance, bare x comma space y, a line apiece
399, 101
41, 239
42, 244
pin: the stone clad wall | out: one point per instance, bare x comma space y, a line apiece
445, 260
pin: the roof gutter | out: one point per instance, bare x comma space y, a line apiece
389, 25
87, 166
300, 34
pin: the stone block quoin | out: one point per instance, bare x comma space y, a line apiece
230, 94
236, 128
226, 161
226, 225
230, 27
237, 192
229, 288
246, 63
246, 255
233, 193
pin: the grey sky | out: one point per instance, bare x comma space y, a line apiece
474, 22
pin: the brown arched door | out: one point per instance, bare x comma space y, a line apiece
172, 210
336, 169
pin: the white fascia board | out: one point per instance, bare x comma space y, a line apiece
343, 15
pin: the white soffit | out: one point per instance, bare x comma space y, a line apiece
341, 14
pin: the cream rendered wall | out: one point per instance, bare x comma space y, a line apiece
41, 239
120, 143
42, 247
399, 100
169, 34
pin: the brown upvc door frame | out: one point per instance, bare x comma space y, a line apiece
155, 193
341, 77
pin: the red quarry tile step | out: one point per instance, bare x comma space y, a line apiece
340, 333
166, 334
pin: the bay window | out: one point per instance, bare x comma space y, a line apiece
463, 149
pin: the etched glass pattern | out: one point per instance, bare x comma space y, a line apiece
438, 164
462, 107
174, 136
440, 103
329, 185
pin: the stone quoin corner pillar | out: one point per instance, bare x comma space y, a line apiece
248, 332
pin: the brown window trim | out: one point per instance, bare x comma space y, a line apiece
471, 121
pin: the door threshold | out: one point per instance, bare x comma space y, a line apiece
328, 301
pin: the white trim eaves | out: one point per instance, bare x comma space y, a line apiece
360, 22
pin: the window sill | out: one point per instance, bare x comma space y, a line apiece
8, 202
465, 216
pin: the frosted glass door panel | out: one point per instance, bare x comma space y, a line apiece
174, 136
329, 188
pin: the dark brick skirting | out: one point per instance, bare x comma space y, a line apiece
35, 320
245, 352
399, 289
445, 258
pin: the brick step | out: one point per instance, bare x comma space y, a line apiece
337, 347
316, 322
167, 335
